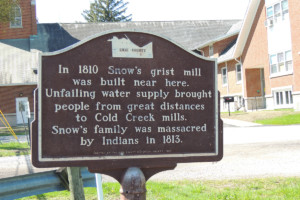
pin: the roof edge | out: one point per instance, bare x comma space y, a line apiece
225, 60
81, 42
218, 39
246, 27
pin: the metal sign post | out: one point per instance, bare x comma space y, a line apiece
126, 99
99, 186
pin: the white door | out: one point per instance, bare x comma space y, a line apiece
22, 108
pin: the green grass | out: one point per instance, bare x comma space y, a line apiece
250, 189
285, 109
267, 117
283, 120
14, 149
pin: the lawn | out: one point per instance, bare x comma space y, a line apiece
267, 117
14, 149
283, 120
250, 189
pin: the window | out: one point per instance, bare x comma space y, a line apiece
16, 17
238, 69
277, 12
270, 12
283, 98
281, 63
273, 64
285, 9
211, 50
288, 61
224, 75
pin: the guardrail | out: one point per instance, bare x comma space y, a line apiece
38, 183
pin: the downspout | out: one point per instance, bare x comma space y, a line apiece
242, 75
227, 78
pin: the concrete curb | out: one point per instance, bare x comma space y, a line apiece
239, 123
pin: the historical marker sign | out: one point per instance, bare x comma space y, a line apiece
129, 99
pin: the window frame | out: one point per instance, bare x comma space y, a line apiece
238, 73
16, 18
281, 63
283, 97
281, 14
224, 76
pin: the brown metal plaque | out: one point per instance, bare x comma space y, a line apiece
126, 99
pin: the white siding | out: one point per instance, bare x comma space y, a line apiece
16, 65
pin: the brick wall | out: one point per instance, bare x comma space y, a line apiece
10, 93
232, 86
29, 26
255, 55
219, 46
206, 51
294, 8
33, 18
282, 81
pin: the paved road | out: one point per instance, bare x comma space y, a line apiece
248, 152
243, 161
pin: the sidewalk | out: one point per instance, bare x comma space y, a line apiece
7, 139
239, 123
16, 129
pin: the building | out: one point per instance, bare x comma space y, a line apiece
19, 55
258, 58
260, 67
17, 59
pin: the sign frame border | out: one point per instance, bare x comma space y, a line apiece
125, 157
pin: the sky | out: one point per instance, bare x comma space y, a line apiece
69, 11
